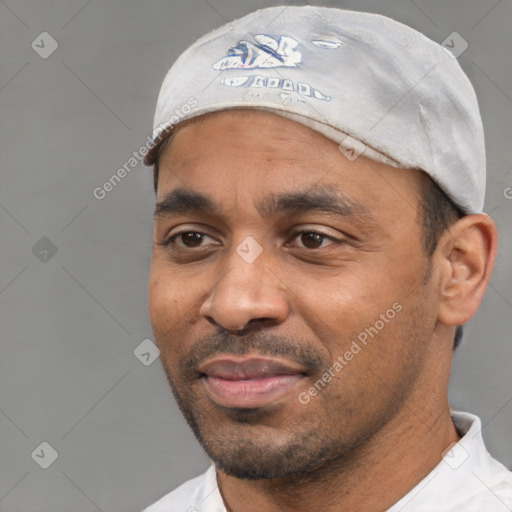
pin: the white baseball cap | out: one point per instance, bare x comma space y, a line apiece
368, 82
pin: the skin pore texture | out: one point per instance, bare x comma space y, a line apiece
340, 246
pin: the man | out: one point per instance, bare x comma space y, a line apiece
319, 238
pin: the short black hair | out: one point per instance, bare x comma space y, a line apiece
156, 166
436, 214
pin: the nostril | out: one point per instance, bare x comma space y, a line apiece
230, 329
256, 323
212, 321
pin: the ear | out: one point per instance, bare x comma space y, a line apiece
465, 257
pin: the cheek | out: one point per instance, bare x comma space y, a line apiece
174, 299
341, 301
358, 306
166, 303
168, 319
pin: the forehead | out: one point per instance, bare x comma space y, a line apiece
250, 151
239, 129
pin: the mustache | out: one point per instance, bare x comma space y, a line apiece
256, 343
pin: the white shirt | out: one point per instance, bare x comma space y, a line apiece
467, 479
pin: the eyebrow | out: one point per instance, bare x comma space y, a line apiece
323, 199
182, 201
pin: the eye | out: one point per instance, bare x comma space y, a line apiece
314, 239
186, 239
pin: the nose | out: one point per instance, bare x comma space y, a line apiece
247, 296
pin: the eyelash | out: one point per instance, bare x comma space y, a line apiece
171, 240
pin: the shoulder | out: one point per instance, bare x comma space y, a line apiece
199, 493
496, 485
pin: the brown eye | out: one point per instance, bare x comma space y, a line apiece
313, 239
190, 238
186, 240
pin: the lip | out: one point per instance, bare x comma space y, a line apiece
249, 382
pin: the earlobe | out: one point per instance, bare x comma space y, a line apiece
466, 254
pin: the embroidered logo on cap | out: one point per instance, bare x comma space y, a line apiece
267, 52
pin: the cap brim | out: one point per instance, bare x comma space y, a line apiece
152, 154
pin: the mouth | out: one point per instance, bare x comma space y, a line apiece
249, 382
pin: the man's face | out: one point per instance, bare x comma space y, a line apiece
315, 257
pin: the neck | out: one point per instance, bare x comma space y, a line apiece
375, 477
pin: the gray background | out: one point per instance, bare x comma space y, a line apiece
71, 320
